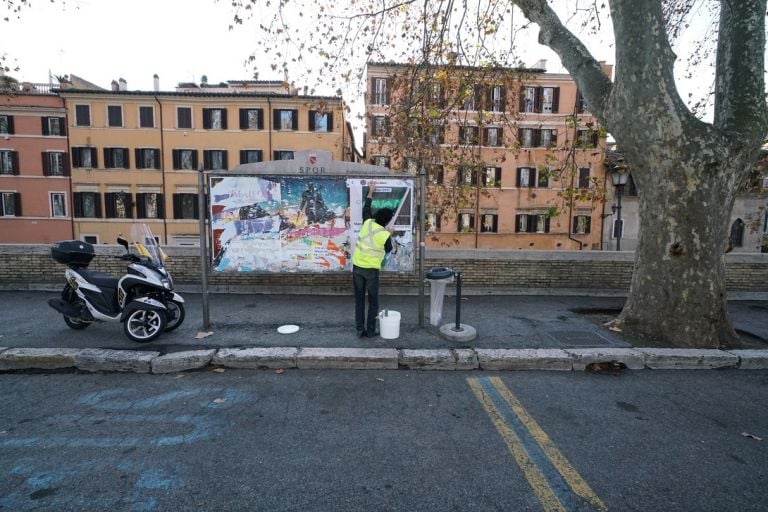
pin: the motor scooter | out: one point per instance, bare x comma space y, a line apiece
143, 299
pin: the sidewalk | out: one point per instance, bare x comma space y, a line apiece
250, 321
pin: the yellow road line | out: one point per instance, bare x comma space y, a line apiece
569, 474
532, 473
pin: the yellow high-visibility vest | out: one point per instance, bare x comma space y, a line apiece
369, 250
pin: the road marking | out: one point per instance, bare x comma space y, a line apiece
555, 482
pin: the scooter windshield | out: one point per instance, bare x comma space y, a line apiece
146, 244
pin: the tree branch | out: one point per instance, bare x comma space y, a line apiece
739, 74
589, 76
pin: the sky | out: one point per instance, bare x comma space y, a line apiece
179, 40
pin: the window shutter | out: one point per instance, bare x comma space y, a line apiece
141, 210
503, 102
206, 159
11, 130
519, 177
276, 119
63, 126
15, 162
128, 204
546, 224
45, 125
295, 119
243, 118
77, 206
521, 102
65, 164
595, 138
223, 119
94, 157
518, 219
126, 158
46, 164
533, 221
109, 203
575, 224
243, 156
206, 119
588, 224
194, 159
157, 158
261, 119
17, 203
76, 157
371, 90
520, 136
555, 100
537, 99
536, 138
139, 159
176, 159
160, 206
330, 121
108, 158
225, 160
97, 202
196, 207
312, 114
275, 155
176, 206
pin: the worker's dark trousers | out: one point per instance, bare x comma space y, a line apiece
366, 279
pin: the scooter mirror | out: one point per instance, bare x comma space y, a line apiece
122, 241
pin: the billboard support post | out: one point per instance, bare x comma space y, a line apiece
202, 214
422, 245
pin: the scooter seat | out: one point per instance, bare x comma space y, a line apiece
99, 278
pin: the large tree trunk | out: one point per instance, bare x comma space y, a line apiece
678, 291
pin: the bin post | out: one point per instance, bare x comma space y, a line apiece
458, 302
201, 207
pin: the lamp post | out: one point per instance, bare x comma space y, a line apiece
619, 176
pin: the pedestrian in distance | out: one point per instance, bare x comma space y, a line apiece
374, 241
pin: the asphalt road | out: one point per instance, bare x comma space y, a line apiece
384, 440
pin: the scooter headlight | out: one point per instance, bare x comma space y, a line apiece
167, 284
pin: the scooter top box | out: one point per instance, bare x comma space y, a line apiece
73, 252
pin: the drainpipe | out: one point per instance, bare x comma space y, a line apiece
162, 169
269, 123
69, 164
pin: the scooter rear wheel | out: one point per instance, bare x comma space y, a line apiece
69, 295
144, 325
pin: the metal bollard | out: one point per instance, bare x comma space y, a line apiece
458, 302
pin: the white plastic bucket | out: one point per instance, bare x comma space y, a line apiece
389, 324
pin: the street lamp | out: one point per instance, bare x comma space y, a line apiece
619, 176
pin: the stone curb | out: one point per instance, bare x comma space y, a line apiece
571, 359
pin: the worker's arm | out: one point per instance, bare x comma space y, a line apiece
367, 213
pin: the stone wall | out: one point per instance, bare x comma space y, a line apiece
31, 267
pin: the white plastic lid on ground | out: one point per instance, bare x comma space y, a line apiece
288, 329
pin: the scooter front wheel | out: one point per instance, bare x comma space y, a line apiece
175, 314
144, 325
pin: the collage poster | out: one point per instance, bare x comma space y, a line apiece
302, 224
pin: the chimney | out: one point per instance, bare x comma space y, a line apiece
115, 87
123, 84
541, 64
156, 82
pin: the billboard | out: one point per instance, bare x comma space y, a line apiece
302, 223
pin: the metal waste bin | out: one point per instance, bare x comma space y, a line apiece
438, 278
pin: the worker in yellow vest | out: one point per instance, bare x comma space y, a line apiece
374, 241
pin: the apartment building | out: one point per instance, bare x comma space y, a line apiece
136, 154
514, 158
35, 194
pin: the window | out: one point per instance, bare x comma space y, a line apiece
6, 124
215, 160
320, 122
489, 223
82, 115
545, 100
526, 177
116, 158
251, 119
87, 205
381, 161
185, 159
55, 164
492, 177
468, 135
54, 126
492, 137
286, 119
435, 175
527, 137
91, 239
467, 175
147, 158
379, 126
380, 91
9, 162
548, 138
582, 224
114, 115
531, 223
466, 223
58, 205
10, 204
282, 155
470, 94
586, 139
184, 117
185, 206
214, 119
543, 180
119, 205
146, 117
496, 101
737, 233
410, 165
435, 134
149, 205
437, 95
250, 156
581, 103
584, 177
432, 222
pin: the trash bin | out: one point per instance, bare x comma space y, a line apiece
438, 278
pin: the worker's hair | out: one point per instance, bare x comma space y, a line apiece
383, 216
